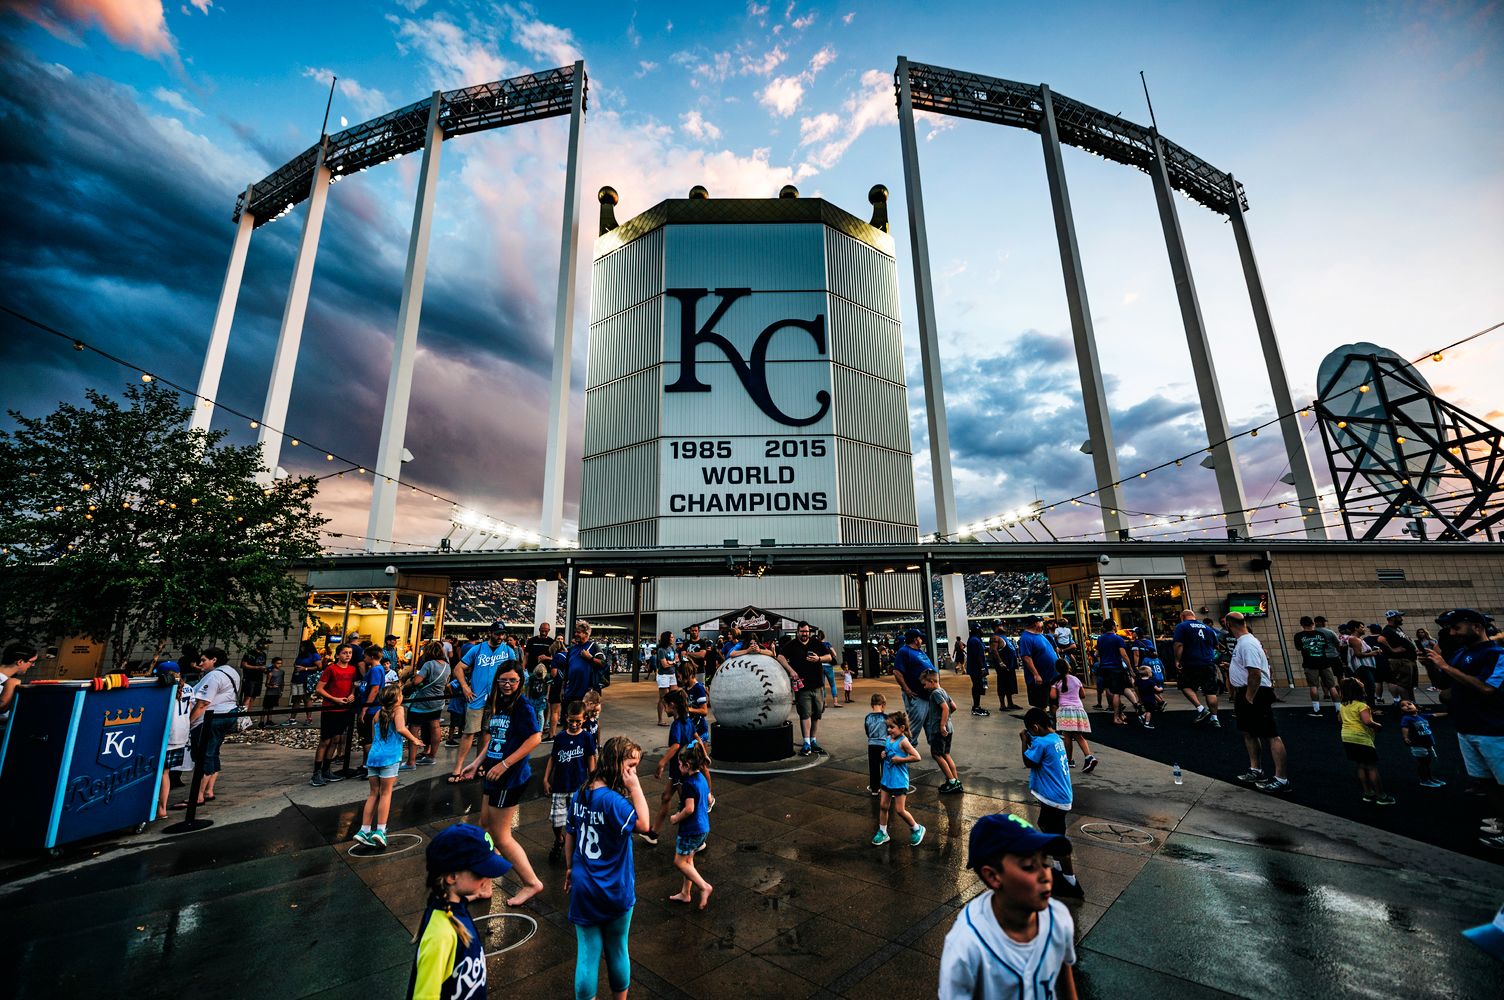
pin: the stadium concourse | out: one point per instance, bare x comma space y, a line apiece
1200, 889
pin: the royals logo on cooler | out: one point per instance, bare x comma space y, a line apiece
118, 735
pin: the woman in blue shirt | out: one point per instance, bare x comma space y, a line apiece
598, 875
665, 669
512, 734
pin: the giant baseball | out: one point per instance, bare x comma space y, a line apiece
750, 692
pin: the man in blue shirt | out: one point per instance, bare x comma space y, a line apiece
976, 669
1195, 662
583, 658
1476, 672
909, 663
1038, 656
475, 674
1114, 660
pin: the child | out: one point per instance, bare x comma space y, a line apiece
697, 698
1149, 699
178, 759
939, 729
1071, 718
898, 754
681, 733
537, 697
1050, 783
569, 764
450, 961
1015, 924
382, 763
1358, 728
846, 682
273, 696
877, 738
1416, 729
593, 715
693, 820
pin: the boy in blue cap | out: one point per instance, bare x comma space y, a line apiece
1014, 940
450, 963
1050, 783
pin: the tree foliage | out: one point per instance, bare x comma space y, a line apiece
120, 523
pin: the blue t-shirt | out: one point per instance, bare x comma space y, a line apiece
1420, 730
577, 672
682, 732
911, 663
895, 776
699, 698
1112, 651
570, 754
506, 731
877, 728
697, 822
1479, 714
1198, 644
1050, 779
374, 680
976, 657
1039, 649
602, 885
481, 663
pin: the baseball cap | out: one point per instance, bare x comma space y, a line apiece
912, 634
1393, 614
1034, 620
168, 667
1005, 833
465, 847
1463, 616
1489, 937
498, 626
390, 638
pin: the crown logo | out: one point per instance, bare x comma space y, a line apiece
124, 717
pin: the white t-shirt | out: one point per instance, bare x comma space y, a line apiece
219, 687
1248, 652
1062, 637
981, 961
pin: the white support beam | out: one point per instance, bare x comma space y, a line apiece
399, 387
224, 316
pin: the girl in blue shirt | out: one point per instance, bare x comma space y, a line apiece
389, 736
693, 820
898, 754
511, 735
681, 733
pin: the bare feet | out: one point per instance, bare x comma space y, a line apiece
705, 895
681, 897
527, 893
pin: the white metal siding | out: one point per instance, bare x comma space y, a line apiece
861, 274
622, 485
767, 257
633, 535
870, 410
622, 413
625, 343
859, 531
749, 529
865, 340
627, 276
875, 483
898, 591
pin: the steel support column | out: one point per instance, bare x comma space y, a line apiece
399, 386
279, 392
1229, 478
572, 593
1279, 383
928, 609
224, 316
558, 403
864, 622
636, 629
929, 354
1104, 456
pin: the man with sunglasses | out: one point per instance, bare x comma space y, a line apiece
1475, 695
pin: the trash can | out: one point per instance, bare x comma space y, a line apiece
78, 762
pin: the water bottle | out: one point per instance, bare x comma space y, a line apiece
1176, 775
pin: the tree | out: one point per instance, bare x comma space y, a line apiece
120, 523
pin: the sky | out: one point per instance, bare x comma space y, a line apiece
1368, 136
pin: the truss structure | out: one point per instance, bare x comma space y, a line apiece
1020, 105
527, 98
1413, 455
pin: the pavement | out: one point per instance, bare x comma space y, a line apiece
1196, 890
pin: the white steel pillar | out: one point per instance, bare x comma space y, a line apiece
224, 315
1229, 479
279, 391
558, 405
1279, 382
951, 585
399, 386
1104, 456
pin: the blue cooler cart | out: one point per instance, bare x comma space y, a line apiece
77, 762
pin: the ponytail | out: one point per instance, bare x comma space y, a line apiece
386, 719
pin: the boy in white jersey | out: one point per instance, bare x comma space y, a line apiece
1013, 942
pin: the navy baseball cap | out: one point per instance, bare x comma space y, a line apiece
498, 626
1034, 620
912, 634
1489, 937
1005, 833
465, 847
1461, 616
1393, 614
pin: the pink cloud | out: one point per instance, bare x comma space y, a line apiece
137, 25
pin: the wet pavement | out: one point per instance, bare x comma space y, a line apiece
1201, 889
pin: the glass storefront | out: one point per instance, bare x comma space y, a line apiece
371, 615
1136, 602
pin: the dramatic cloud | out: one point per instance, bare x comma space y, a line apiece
137, 25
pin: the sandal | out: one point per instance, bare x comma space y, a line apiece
455, 779
208, 798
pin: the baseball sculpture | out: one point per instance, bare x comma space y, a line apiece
750, 692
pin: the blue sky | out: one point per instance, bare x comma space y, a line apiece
1367, 135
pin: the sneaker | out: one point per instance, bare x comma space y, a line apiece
1062, 888
1316, 714
1070, 763
819, 750
703, 845
547, 739
424, 761
948, 787
1089, 765
1251, 776
879, 839
1497, 843
361, 773
1216, 722
1492, 827
1145, 722
650, 836
1282, 784
318, 780
378, 839
1384, 800
872, 791
451, 743
979, 712
1369, 799
917, 837
1433, 783
330, 776
364, 838
806, 751
557, 854
1201, 717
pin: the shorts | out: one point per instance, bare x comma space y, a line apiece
501, 796
1482, 756
895, 792
418, 719
1256, 718
810, 703
940, 744
1360, 753
333, 723
1200, 677
251, 688
1402, 671
1053, 820
272, 700
297, 690
1114, 681
556, 691
558, 809
1421, 753
665, 681
474, 718
367, 721
456, 719
687, 845
1320, 677
389, 771
1039, 695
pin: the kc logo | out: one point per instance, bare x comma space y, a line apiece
753, 371
117, 740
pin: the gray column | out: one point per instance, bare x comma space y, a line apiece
1229, 479
279, 392
1104, 456
224, 315
1289, 425
551, 525
929, 353
399, 387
